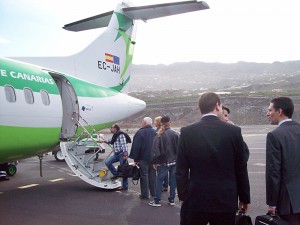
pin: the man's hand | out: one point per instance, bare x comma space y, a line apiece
155, 166
244, 206
272, 210
125, 156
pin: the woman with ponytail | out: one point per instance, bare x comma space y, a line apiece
164, 150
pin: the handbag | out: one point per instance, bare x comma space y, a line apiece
124, 170
132, 171
242, 219
136, 172
270, 219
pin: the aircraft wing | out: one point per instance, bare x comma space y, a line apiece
160, 10
139, 13
93, 22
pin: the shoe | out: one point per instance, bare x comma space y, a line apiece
122, 189
154, 204
171, 202
142, 197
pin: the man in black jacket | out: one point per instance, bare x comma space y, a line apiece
163, 157
211, 170
141, 154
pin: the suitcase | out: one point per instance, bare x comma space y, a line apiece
269, 219
242, 219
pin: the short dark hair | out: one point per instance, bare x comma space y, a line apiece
165, 119
285, 104
116, 126
208, 101
226, 108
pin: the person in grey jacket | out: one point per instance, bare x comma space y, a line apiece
283, 162
164, 151
141, 154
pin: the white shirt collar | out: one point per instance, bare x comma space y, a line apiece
283, 121
209, 114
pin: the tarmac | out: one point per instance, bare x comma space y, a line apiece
61, 198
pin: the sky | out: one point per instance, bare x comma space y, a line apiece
260, 31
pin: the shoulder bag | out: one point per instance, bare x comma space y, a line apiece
132, 171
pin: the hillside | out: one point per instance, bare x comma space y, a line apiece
216, 76
246, 88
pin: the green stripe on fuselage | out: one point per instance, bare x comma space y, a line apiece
24, 142
86, 89
97, 127
121, 86
21, 75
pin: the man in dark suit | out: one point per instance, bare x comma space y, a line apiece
211, 171
283, 162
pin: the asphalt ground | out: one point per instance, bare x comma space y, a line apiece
61, 198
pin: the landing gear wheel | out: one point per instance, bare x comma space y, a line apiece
11, 170
59, 156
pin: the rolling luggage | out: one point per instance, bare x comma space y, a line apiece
269, 219
242, 219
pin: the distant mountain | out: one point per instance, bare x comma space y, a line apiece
216, 76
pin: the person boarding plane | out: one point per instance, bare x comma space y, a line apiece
39, 103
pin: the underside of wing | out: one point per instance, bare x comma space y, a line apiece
138, 13
93, 22
160, 10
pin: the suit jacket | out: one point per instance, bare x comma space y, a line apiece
283, 168
211, 171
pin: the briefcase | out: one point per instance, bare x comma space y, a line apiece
242, 219
270, 219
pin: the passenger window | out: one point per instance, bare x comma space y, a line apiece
10, 93
28, 95
45, 97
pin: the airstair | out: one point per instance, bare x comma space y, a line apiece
86, 157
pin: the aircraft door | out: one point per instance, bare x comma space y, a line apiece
69, 105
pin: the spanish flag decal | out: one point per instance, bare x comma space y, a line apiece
112, 58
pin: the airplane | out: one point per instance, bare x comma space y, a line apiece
48, 104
